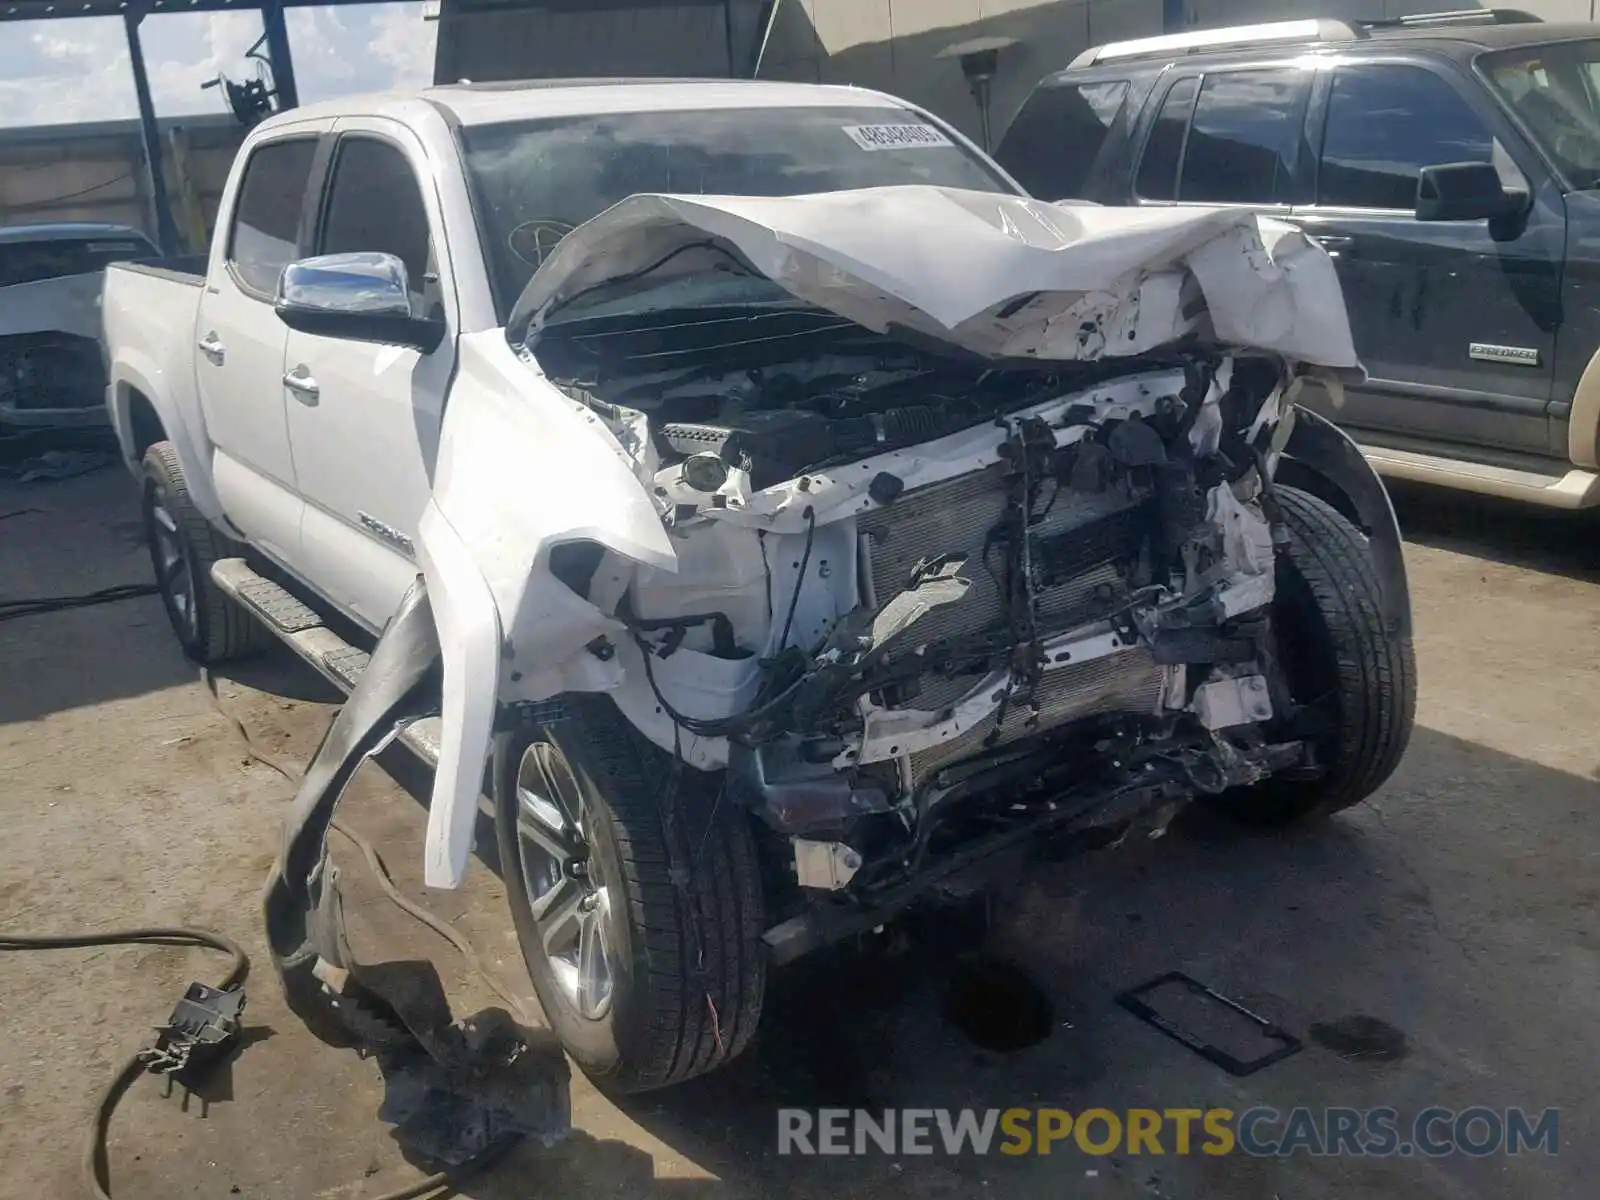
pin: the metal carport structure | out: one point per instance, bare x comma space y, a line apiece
743, 53
133, 13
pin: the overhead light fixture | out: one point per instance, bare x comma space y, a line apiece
980, 62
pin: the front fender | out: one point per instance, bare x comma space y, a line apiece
468, 629
1323, 447
520, 470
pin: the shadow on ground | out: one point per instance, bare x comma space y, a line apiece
1377, 920
1459, 910
1523, 535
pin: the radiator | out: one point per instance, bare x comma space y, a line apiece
1088, 535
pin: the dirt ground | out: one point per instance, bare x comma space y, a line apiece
1457, 910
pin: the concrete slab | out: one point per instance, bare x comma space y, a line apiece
1457, 911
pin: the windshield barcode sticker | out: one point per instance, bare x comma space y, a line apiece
896, 137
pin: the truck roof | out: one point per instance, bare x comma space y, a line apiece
491, 103
57, 231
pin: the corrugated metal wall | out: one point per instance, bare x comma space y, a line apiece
503, 39
96, 173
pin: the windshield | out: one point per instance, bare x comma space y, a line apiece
1555, 89
533, 181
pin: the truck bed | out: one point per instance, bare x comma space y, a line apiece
148, 311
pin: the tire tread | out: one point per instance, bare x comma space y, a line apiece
227, 631
691, 879
1376, 669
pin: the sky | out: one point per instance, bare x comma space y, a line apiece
58, 72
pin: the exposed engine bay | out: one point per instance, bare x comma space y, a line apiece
920, 594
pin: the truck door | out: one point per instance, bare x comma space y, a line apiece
239, 344
363, 417
1454, 322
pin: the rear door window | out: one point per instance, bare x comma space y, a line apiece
1055, 141
1385, 123
1163, 150
266, 217
1242, 142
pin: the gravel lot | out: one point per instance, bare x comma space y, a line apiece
1456, 914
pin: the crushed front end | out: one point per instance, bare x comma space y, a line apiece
1041, 601
937, 593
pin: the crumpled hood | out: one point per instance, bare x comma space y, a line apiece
1001, 276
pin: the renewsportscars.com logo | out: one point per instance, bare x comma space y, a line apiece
1260, 1132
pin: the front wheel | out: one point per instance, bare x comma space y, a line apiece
636, 899
1341, 662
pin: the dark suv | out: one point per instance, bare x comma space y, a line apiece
1451, 165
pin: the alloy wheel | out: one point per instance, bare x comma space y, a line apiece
174, 572
570, 900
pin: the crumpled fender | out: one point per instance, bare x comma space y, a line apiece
468, 628
1326, 449
521, 468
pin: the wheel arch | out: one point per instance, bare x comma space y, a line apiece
143, 422
1583, 420
1320, 458
1291, 472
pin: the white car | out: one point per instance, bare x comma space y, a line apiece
51, 369
793, 515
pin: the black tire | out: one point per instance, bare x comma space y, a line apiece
210, 626
683, 890
1340, 661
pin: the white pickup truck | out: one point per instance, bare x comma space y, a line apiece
796, 517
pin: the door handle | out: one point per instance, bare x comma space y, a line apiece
300, 382
211, 346
1336, 244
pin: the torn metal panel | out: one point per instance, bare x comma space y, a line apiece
454, 1088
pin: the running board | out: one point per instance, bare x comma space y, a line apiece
301, 629
1572, 489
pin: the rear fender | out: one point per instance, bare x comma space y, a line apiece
1322, 447
135, 371
521, 469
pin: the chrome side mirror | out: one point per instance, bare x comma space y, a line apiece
362, 296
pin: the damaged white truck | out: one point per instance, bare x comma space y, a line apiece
793, 518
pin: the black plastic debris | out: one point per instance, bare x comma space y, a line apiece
474, 1086
54, 465
201, 1030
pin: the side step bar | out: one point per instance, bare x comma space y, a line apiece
1574, 489
302, 630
